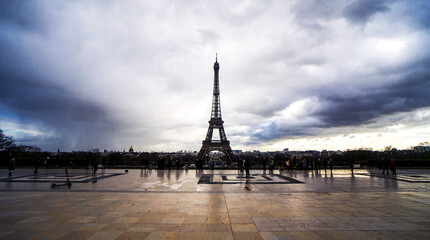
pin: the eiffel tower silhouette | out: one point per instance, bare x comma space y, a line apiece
216, 122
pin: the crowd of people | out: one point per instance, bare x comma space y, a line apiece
243, 164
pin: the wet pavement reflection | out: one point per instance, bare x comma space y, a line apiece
153, 204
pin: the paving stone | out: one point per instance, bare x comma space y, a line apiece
133, 236
173, 205
105, 235
247, 227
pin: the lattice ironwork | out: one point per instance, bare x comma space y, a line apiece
216, 123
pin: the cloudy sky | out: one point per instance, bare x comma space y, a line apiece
78, 75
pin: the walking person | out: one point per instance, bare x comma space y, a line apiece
11, 166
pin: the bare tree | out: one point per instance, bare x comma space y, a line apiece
5, 141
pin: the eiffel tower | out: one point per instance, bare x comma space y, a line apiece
216, 122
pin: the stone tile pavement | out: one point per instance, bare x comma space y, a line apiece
171, 205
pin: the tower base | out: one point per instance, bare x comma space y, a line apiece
209, 146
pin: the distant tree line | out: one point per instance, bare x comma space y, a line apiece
8, 144
26, 156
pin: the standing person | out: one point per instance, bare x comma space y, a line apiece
247, 164
311, 162
36, 165
319, 164
46, 162
331, 163
383, 166
393, 166
264, 164
169, 163
379, 163
316, 164
241, 165
11, 165
305, 164
159, 163
197, 164
294, 161
287, 164
162, 163
291, 165
103, 164
272, 164
351, 163
177, 164
325, 164
95, 164
212, 164
201, 164
386, 166
146, 163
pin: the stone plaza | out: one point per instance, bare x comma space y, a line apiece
215, 204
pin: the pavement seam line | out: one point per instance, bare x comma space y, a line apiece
231, 226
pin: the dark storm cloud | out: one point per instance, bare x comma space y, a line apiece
73, 121
337, 108
66, 119
354, 101
407, 94
94, 74
21, 14
41, 100
361, 11
419, 13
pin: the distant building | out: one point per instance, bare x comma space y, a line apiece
131, 149
421, 149
324, 154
